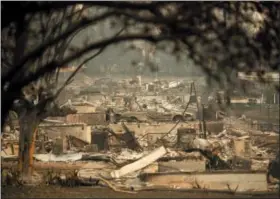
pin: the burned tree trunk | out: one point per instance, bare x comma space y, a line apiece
28, 121
28, 126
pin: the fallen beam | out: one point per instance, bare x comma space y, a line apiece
140, 164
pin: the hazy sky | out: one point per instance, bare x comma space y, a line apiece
116, 54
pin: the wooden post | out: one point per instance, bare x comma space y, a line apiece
203, 122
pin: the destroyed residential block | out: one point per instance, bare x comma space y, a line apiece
81, 131
98, 118
152, 128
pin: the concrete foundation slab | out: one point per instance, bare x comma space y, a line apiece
241, 182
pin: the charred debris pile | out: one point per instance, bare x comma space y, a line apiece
164, 135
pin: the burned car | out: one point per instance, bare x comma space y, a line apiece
132, 116
171, 116
145, 116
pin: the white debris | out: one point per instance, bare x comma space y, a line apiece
174, 84
139, 164
127, 154
243, 137
201, 144
222, 134
58, 158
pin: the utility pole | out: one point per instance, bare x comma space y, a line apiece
200, 110
203, 124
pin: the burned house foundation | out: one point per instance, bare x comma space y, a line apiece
149, 140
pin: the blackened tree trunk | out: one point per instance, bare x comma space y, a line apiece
27, 115
28, 122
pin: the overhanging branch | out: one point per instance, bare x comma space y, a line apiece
40, 50
70, 78
53, 65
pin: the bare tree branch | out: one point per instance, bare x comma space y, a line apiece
205, 33
70, 78
53, 65
38, 51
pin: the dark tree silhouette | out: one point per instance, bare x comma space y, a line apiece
220, 37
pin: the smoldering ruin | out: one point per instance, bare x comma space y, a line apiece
82, 117
132, 135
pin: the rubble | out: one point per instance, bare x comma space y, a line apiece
143, 162
130, 143
58, 158
230, 181
130, 139
200, 143
76, 142
127, 154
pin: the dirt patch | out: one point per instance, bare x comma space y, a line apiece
97, 192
